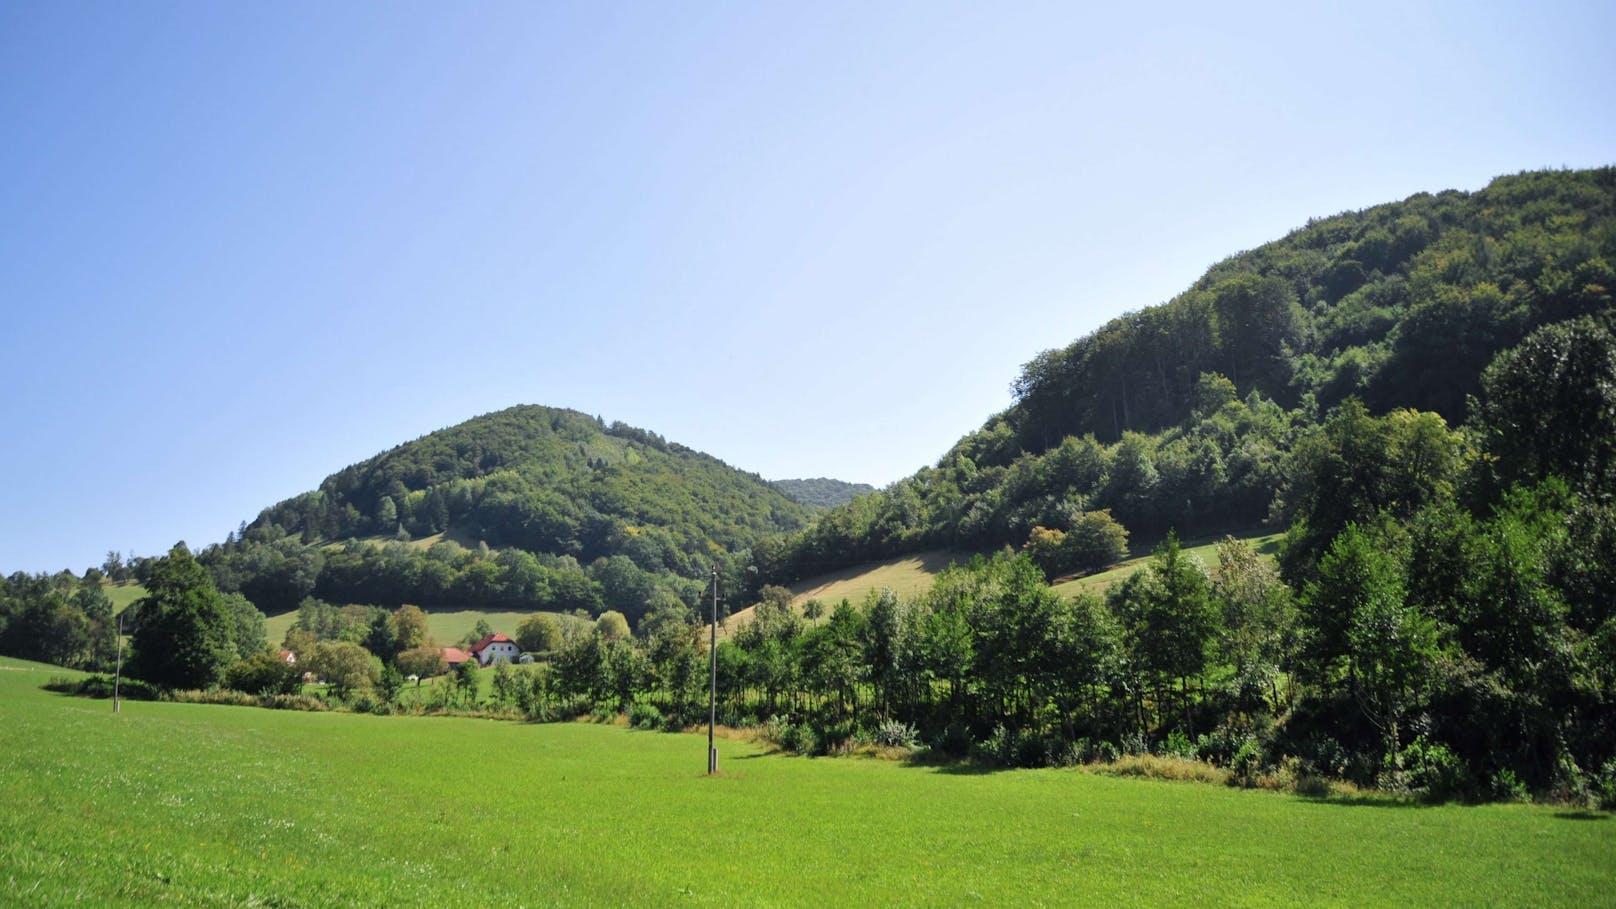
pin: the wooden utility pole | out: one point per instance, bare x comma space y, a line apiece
712, 691
117, 677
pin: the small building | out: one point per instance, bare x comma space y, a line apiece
288, 657
495, 647
454, 656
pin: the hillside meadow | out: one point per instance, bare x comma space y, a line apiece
191, 805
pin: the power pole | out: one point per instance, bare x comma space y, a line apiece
712, 691
117, 678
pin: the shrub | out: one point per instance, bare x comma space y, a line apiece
955, 740
1428, 770
1221, 745
1178, 745
100, 686
643, 714
1505, 786
1247, 764
1604, 787
295, 702
1327, 755
894, 734
1134, 743
1158, 767
1016, 748
800, 738
263, 673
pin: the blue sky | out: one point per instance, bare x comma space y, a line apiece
245, 245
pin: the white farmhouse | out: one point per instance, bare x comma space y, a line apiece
495, 647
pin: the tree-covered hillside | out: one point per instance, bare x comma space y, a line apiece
583, 516
1184, 415
821, 492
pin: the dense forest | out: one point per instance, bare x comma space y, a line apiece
1422, 395
1184, 415
538, 508
821, 492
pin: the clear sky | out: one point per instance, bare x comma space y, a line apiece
243, 245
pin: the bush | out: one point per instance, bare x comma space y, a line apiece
1604, 787
1178, 745
800, 738
1247, 764
955, 740
643, 714
263, 673
1134, 743
1428, 770
1505, 786
1158, 767
1016, 748
100, 686
893, 734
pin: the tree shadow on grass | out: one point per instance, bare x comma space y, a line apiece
951, 766
1582, 815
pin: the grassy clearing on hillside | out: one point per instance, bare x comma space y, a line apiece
122, 595
190, 805
446, 628
911, 576
1203, 548
908, 576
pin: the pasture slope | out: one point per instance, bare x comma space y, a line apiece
911, 575
190, 805
444, 628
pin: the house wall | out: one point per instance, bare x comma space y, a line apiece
500, 650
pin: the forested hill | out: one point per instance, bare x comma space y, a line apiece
1186, 415
1401, 305
821, 492
559, 486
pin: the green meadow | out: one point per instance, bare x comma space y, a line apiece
193, 805
445, 627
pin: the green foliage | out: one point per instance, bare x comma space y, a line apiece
422, 662
208, 793
263, 673
611, 626
348, 668
1429, 770
183, 638
1549, 408
821, 492
539, 633
549, 490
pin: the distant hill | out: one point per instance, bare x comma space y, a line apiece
821, 492
575, 514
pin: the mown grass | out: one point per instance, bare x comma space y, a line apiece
908, 577
122, 595
190, 805
1204, 548
446, 628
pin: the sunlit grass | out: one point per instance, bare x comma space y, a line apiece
1204, 548
190, 805
122, 595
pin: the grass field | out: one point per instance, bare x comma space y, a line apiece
911, 576
908, 576
122, 595
446, 628
1205, 549
190, 805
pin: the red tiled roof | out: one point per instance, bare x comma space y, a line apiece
495, 638
454, 655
